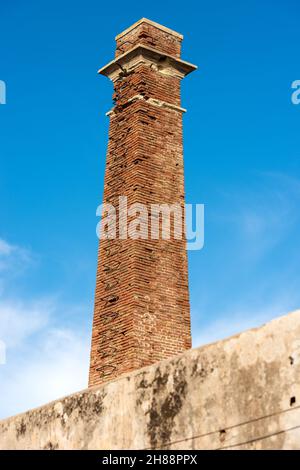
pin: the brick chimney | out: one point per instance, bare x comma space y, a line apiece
142, 302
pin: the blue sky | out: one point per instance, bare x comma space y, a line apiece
242, 160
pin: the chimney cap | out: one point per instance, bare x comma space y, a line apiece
144, 52
152, 23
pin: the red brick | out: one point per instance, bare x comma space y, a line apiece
142, 302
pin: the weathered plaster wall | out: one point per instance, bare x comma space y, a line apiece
240, 393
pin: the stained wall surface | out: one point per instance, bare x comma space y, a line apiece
240, 393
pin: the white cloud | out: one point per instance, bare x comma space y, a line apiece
18, 320
239, 319
5, 248
263, 214
45, 359
253, 288
54, 366
2, 352
14, 260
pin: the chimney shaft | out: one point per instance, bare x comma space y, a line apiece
142, 303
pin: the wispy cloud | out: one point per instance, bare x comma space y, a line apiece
54, 365
14, 260
19, 320
5, 248
261, 214
239, 319
45, 357
259, 276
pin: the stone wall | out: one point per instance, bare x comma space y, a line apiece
240, 393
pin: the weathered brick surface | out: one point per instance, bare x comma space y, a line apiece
149, 34
141, 303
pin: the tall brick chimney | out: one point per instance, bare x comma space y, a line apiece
142, 303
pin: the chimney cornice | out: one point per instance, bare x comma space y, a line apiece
165, 63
